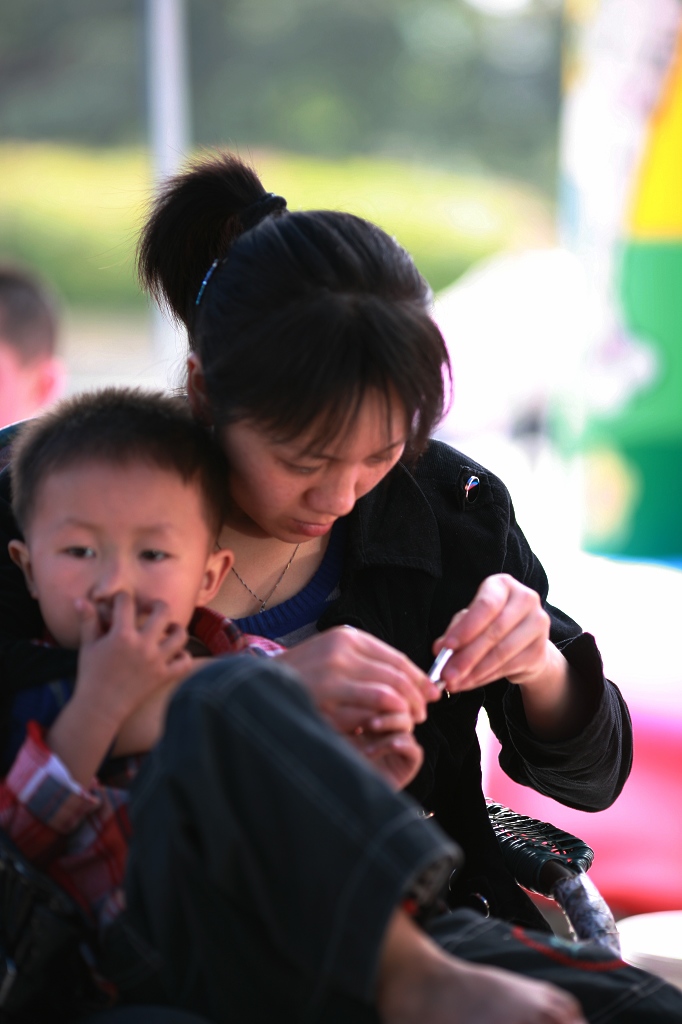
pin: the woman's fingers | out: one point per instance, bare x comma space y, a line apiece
370, 706
354, 721
374, 660
373, 698
489, 601
347, 666
503, 632
390, 723
396, 756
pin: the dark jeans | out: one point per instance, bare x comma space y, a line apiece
607, 989
268, 858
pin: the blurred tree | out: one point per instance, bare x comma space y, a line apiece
434, 79
71, 70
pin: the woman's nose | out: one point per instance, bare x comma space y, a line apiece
336, 497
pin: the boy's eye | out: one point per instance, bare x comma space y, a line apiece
154, 555
78, 551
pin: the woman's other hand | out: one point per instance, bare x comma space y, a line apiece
504, 633
396, 756
357, 681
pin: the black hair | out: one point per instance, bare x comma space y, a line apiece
28, 315
303, 313
119, 426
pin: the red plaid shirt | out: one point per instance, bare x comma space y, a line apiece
80, 836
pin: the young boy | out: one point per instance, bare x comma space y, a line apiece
121, 496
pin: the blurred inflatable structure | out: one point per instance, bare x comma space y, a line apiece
622, 217
583, 345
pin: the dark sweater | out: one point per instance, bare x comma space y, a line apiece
416, 553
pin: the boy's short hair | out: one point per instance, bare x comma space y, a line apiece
118, 426
28, 315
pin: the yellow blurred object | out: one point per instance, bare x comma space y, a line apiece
656, 211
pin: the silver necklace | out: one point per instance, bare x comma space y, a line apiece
262, 601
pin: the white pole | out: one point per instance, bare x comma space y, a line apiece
169, 133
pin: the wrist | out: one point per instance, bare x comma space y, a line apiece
80, 738
101, 700
548, 673
555, 705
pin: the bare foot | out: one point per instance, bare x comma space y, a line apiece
419, 983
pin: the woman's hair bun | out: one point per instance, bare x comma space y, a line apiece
194, 219
262, 208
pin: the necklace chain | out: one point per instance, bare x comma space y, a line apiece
262, 601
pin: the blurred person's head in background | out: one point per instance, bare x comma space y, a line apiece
31, 375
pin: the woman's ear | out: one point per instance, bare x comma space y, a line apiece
21, 556
218, 565
196, 389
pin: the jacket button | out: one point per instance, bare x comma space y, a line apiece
471, 489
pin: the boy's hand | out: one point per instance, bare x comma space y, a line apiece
124, 659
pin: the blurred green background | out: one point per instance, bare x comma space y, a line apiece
435, 118
74, 213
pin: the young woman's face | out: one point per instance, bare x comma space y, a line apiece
294, 492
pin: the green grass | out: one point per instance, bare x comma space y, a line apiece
74, 214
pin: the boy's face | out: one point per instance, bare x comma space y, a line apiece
98, 530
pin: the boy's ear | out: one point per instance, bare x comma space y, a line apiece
21, 556
218, 565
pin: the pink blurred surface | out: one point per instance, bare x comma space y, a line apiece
638, 841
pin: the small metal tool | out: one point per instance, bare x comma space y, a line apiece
438, 665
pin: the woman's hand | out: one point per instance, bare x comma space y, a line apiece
396, 756
357, 681
505, 633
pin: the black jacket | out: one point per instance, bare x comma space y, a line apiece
416, 552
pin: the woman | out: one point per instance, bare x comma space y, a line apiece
316, 360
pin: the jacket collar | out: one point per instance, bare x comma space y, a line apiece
395, 525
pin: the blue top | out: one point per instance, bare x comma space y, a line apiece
292, 621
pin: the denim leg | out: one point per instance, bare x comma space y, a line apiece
144, 1015
609, 991
267, 857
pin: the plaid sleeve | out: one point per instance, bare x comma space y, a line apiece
39, 801
221, 635
261, 645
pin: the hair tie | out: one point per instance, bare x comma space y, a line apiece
209, 275
257, 211
251, 215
